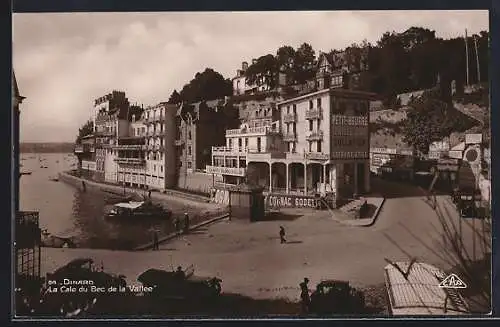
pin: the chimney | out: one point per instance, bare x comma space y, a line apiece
133, 118
244, 65
254, 61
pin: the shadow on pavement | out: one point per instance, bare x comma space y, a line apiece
390, 189
279, 216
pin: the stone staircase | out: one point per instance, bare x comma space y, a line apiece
352, 208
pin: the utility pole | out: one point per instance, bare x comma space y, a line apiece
477, 61
466, 58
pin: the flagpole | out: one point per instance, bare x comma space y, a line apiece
466, 57
477, 61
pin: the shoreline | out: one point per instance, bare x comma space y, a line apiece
200, 213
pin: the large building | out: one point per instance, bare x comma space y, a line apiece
240, 85
110, 122
199, 126
319, 145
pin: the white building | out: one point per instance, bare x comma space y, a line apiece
160, 133
240, 85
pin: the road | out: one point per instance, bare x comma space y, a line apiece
250, 260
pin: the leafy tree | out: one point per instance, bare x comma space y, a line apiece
304, 63
423, 124
263, 72
86, 129
285, 57
175, 98
207, 85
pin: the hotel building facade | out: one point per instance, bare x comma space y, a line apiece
319, 145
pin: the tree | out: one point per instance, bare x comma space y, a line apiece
264, 71
304, 63
175, 98
285, 57
86, 129
207, 85
426, 122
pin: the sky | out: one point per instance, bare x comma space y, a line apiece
64, 61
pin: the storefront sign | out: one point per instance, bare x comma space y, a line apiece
350, 120
383, 150
291, 201
221, 197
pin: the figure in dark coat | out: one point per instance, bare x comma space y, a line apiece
304, 295
282, 235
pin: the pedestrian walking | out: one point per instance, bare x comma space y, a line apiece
282, 235
149, 194
177, 225
304, 295
186, 223
155, 240
84, 187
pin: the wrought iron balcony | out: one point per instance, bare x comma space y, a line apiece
289, 137
290, 118
225, 151
314, 113
132, 161
314, 136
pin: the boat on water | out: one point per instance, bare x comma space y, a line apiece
138, 210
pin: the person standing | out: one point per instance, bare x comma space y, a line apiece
186, 223
155, 240
282, 235
149, 194
304, 295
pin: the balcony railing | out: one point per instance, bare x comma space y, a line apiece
314, 136
78, 149
160, 133
129, 147
252, 130
133, 161
231, 171
289, 137
290, 118
224, 151
150, 133
314, 113
179, 142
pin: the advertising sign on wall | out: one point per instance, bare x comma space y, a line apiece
291, 201
349, 137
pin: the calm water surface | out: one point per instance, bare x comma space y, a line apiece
67, 212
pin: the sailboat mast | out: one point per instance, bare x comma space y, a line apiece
466, 57
477, 61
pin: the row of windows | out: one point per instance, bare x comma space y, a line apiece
312, 146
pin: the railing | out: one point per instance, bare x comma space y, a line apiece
314, 113
129, 147
314, 136
224, 150
232, 171
287, 137
290, 118
150, 133
78, 149
160, 133
252, 130
130, 160
179, 142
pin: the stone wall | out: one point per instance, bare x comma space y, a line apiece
197, 181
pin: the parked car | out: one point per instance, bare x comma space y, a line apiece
336, 297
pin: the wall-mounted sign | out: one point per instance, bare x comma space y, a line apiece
232, 171
89, 165
221, 197
291, 201
350, 120
473, 138
383, 150
350, 155
316, 156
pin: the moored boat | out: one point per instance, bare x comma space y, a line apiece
138, 210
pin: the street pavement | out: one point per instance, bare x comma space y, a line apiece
250, 260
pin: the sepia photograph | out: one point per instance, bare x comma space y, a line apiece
284, 164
